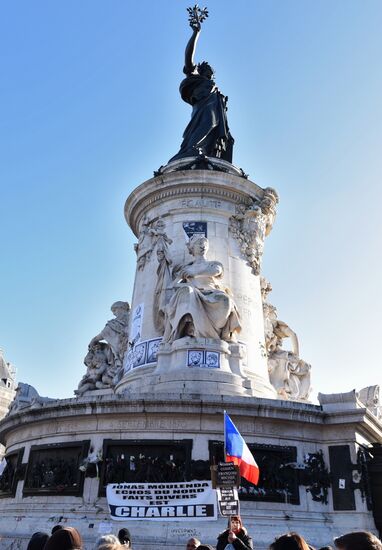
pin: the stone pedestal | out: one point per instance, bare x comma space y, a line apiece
7, 390
296, 431
163, 212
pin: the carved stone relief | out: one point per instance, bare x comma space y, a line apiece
99, 373
27, 396
200, 306
251, 224
152, 234
316, 477
54, 469
370, 397
288, 373
145, 462
278, 480
163, 287
106, 352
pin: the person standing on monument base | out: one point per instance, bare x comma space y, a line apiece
236, 535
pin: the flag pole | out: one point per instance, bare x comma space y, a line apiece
225, 454
225, 436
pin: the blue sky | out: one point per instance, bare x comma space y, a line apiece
89, 107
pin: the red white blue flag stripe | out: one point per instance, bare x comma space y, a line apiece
237, 451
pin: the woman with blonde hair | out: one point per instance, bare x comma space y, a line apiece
108, 542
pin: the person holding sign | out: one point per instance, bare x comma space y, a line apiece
235, 537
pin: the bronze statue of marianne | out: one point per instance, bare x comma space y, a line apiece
207, 131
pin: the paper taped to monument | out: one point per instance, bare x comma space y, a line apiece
193, 500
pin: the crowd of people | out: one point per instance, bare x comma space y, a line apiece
68, 538
235, 537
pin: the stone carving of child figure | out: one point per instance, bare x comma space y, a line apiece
97, 376
115, 332
200, 305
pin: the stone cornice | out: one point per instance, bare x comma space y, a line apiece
188, 184
164, 404
161, 405
361, 417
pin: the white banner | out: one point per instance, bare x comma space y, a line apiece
190, 500
136, 324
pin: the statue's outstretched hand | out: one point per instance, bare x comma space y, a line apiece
93, 341
195, 26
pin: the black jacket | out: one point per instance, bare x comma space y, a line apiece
242, 541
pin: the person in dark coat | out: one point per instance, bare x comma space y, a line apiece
236, 534
37, 541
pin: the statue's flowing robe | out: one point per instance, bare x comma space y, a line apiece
213, 312
208, 128
162, 293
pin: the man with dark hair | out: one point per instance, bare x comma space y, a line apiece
359, 540
56, 528
37, 541
124, 537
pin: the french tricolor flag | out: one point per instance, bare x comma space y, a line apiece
236, 451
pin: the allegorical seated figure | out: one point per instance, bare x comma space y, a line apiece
207, 130
200, 305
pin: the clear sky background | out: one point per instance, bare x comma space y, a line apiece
89, 107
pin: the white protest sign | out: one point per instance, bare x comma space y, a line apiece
190, 500
228, 500
136, 324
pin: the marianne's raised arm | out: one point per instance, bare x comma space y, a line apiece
189, 65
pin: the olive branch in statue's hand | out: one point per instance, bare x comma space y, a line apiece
196, 16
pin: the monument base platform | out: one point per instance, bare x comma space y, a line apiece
296, 445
